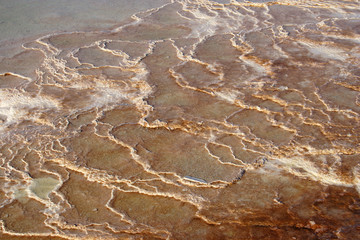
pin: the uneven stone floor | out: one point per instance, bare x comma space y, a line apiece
195, 120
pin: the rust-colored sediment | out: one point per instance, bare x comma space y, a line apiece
196, 120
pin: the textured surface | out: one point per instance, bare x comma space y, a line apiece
195, 120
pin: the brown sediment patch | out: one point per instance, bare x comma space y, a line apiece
101, 153
177, 152
153, 32
261, 127
26, 237
122, 114
25, 216
154, 210
7, 80
23, 63
89, 200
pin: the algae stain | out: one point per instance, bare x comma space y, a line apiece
42, 187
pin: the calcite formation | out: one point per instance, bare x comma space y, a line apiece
194, 120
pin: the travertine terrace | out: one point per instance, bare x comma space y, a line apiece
194, 120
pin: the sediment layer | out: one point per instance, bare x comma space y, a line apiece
195, 120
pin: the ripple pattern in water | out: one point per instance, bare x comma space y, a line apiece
195, 120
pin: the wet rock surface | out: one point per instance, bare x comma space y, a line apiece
195, 120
